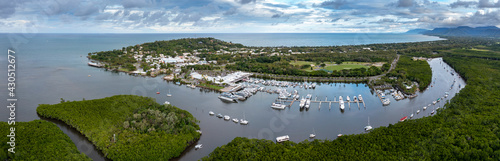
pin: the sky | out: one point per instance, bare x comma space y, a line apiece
242, 16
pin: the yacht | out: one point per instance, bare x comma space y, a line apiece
168, 94
280, 139
226, 117
211, 113
302, 103
278, 106
243, 121
368, 127
341, 103
313, 134
227, 97
386, 102
308, 104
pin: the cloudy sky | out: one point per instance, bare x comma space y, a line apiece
242, 16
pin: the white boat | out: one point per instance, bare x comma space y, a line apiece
425, 107
243, 121
386, 102
348, 99
313, 134
354, 98
432, 112
434, 102
341, 103
226, 117
280, 139
211, 113
302, 103
360, 98
227, 97
418, 111
308, 104
168, 94
199, 146
339, 135
235, 120
368, 127
166, 103
411, 116
278, 106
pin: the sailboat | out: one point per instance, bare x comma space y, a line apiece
243, 121
340, 134
368, 128
158, 91
168, 94
313, 134
411, 116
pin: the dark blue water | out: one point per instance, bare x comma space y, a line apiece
53, 66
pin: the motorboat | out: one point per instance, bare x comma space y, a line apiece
368, 127
235, 120
403, 119
226, 117
418, 111
211, 113
308, 104
278, 106
280, 139
227, 97
348, 99
199, 146
341, 103
302, 103
312, 135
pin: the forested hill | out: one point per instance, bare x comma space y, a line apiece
127, 127
463, 31
467, 128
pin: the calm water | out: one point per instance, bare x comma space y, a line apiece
53, 66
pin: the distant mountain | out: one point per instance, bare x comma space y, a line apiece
487, 31
416, 31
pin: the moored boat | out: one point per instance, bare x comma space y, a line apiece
280, 139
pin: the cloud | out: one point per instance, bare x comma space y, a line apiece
245, 1
465, 4
333, 4
405, 3
276, 16
488, 4
136, 3
7, 8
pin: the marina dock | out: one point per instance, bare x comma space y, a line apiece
315, 100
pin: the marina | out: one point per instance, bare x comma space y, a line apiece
265, 122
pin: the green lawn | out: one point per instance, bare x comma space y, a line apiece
332, 67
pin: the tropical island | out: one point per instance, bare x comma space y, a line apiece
126, 127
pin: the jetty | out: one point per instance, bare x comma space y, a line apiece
329, 102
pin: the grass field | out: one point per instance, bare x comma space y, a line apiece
332, 67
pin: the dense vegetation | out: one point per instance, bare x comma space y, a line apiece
413, 70
126, 127
466, 129
38, 140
